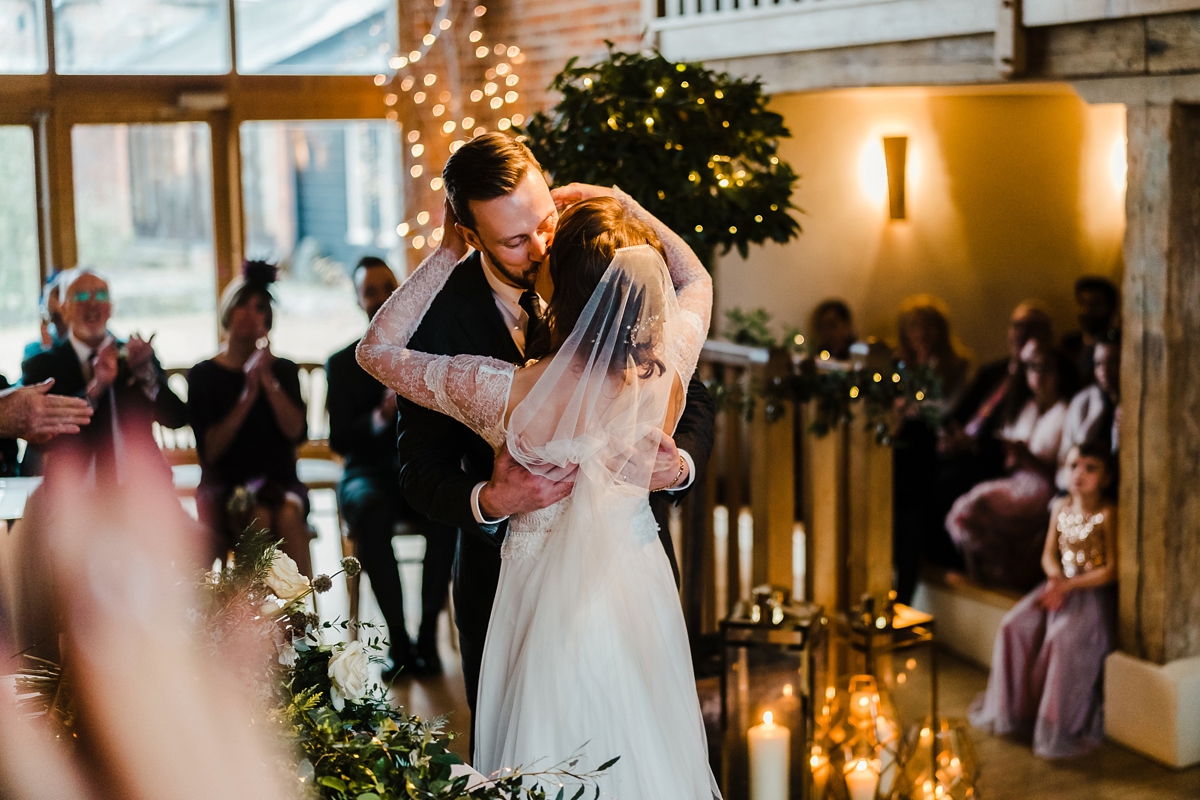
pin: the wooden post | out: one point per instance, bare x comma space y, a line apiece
1159, 524
772, 494
825, 490
869, 544
1010, 39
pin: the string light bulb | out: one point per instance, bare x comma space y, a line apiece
475, 36
423, 218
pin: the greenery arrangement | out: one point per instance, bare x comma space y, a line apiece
346, 740
884, 390
697, 148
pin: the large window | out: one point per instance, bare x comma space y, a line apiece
19, 283
143, 217
22, 36
317, 197
160, 37
315, 37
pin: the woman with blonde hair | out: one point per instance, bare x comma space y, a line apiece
925, 339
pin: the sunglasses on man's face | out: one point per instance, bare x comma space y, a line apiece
99, 296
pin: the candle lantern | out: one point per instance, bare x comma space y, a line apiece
948, 746
768, 654
858, 748
894, 643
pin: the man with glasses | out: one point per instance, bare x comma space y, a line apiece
121, 380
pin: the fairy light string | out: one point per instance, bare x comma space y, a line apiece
443, 111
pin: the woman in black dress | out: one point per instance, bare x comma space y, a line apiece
248, 414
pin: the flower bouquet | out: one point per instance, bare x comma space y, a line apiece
314, 692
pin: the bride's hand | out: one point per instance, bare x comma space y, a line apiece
670, 469
574, 192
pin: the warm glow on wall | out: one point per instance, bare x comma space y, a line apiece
1118, 163
872, 171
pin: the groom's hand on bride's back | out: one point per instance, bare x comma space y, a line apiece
574, 192
513, 489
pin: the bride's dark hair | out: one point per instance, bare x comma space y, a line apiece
587, 238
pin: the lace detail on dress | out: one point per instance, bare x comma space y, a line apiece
471, 389
527, 532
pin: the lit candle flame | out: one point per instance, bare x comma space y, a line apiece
768, 718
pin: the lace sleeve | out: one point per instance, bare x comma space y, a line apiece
472, 389
693, 287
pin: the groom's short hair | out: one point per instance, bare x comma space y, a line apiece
489, 166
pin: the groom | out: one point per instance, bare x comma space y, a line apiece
507, 213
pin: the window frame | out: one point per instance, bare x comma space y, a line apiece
52, 104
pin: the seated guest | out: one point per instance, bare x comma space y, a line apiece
998, 524
967, 443
248, 414
1092, 415
53, 328
362, 429
121, 380
925, 341
1097, 307
1048, 659
832, 330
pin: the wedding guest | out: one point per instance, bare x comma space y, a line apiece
121, 380
53, 327
362, 429
832, 330
967, 444
246, 409
33, 414
1097, 307
1048, 659
925, 341
998, 524
1092, 415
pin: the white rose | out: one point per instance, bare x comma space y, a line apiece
285, 579
288, 655
348, 674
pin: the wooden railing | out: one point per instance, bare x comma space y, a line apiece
779, 505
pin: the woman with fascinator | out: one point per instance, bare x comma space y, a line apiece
246, 409
586, 645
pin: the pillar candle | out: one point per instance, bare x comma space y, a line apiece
769, 746
820, 773
862, 778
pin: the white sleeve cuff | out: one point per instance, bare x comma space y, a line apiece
691, 472
475, 507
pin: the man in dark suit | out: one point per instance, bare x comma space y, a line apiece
488, 307
362, 424
122, 381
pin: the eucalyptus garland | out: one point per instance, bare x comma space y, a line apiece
882, 394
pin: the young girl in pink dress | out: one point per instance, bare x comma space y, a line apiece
1048, 659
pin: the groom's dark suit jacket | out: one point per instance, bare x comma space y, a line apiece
441, 460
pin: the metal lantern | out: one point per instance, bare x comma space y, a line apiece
948, 746
768, 647
857, 748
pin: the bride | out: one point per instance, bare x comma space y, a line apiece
586, 645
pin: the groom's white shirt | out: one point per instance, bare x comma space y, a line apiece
508, 302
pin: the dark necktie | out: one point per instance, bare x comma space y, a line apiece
536, 335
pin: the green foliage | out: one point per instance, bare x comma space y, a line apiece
749, 327
697, 148
882, 396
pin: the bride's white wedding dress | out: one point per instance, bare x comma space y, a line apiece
586, 647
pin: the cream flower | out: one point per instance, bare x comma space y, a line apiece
348, 674
285, 579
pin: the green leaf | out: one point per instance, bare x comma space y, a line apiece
608, 764
579, 793
332, 783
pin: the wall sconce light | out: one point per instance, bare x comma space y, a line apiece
895, 150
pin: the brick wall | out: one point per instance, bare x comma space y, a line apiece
550, 32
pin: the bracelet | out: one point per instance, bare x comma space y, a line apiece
678, 477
